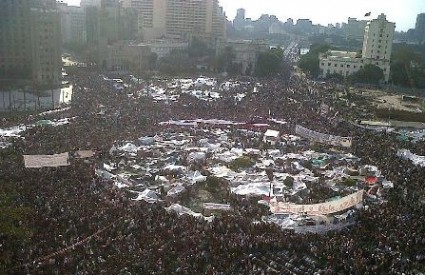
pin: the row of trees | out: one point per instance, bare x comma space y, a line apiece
408, 66
269, 63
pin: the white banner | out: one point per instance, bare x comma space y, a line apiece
83, 154
323, 138
39, 161
217, 206
320, 208
416, 159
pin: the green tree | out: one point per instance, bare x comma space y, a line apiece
309, 63
269, 63
176, 62
224, 60
198, 48
370, 74
407, 67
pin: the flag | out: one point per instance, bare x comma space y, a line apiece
367, 14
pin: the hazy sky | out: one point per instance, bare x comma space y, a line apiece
402, 12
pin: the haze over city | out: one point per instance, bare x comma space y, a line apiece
325, 12
212, 137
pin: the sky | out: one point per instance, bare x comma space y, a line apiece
402, 12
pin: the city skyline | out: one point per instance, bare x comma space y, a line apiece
403, 13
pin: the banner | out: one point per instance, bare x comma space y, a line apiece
416, 159
39, 161
323, 138
217, 206
320, 208
84, 154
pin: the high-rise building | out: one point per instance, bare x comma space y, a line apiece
30, 41
176, 18
420, 27
106, 25
73, 24
378, 39
90, 3
240, 20
354, 29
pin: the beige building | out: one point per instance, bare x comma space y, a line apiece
30, 47
179, 19
245, 52
377, 46
124, 56
163, 47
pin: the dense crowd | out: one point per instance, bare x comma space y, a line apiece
78, 223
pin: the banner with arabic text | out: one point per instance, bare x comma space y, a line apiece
323, 138
39, 161
319, 208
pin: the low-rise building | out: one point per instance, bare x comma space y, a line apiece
125, 56
245, 52
163, 47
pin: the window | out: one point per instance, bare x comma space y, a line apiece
342, 65
348, 65
323, 64
334, 66
329, 63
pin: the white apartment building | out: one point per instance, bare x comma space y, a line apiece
377, 46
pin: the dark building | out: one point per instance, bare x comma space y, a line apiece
30, 41
420, 27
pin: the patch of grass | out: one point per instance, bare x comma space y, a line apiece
242, 162
349, 182
289, 181
400, 115
213, 184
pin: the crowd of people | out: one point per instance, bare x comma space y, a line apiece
71, 221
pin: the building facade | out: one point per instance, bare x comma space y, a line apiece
420, 28
163, 47
124, 56
354, 29
245, 52
377, 47
73, 24
30, 36
203, 19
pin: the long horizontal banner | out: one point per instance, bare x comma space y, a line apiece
39, 161
323, 138
320, 208
416, 159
